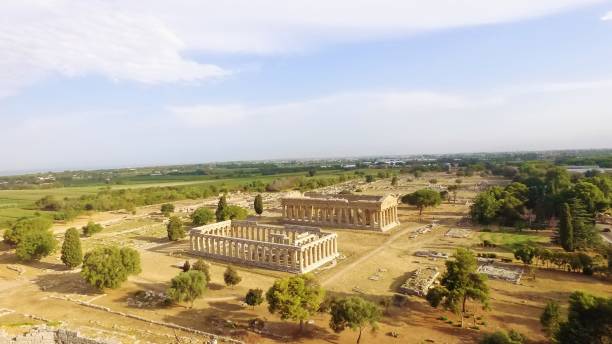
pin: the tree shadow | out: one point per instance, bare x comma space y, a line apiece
65, 283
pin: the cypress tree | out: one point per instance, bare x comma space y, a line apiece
258, 204
566, 228
221, 212
72, 254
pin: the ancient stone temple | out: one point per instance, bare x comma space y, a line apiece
349, 211
290, 248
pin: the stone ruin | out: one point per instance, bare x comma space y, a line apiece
44, 335
501, 272
419, 282
290, 248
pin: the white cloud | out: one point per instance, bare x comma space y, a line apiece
607, 16
70, 38
146, 40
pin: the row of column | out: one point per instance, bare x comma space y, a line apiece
368, 218
293, 258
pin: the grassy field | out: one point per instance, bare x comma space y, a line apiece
20, 203
510, 240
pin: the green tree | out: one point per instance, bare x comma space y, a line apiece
423, 198
35, 244
485, 207
566, 228
258, 204
312, 172
201, 266
231, 277
72, 254
525, 253
369, 178
167, 209
254, 297
221, 212
433, 181
175, 228
108, 267
355, 313
202, 216
13, 235
296, 298
91, 228
460, 283
589, 320
550, 318
187, 287
394, 181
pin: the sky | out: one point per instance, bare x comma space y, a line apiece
101, 84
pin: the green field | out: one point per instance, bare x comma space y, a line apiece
20, 203
510, 240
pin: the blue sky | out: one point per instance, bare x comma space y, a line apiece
103, 83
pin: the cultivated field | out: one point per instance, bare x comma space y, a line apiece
373, 265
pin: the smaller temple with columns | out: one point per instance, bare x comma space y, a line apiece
290, 248
371, 212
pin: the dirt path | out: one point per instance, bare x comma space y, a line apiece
374, 252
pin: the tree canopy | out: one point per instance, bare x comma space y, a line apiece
231, 277
295, 298
460, 283
35, 244
175, 228
202, 216
355, 313
108, 267
589, 320
254, 297
258, 204
13, 235
72, 254
187, 287
422, 199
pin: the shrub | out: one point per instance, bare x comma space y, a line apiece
202, 216
92, 228
200, 265
231, 277
13, 235
254, 297
167, 209
36, 244
175, 229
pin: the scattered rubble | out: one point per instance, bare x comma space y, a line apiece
458, 233
431, 254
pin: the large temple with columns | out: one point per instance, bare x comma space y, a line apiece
371, 212
291, 248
